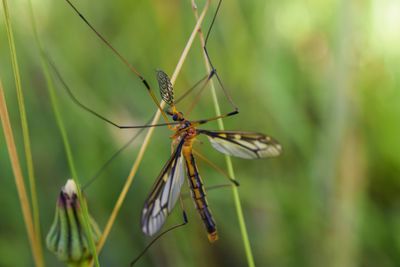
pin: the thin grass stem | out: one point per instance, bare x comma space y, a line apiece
235, 191
148, 136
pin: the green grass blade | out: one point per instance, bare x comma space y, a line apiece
235, 191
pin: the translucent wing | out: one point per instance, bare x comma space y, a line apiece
247, 145
164, 194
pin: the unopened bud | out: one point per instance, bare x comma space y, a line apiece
67, 238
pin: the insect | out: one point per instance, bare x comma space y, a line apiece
166, 190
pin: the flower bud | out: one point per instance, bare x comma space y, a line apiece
67, 238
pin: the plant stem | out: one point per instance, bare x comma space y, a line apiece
149, 134
25, 130
19, 179
235, 191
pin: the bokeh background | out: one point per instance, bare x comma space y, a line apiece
322, 77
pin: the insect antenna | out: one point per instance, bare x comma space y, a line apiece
185, 221
86, 108
121, 57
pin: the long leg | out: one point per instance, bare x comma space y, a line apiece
199, 122
83, 106
86, 108
122, 58
212, 69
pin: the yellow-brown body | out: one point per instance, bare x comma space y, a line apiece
197, 190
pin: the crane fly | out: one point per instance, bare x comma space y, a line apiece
166, 190
167, 187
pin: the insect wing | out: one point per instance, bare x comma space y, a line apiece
247, 145
164, 194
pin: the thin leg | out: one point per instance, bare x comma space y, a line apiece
204, 46
122, 58
146, 84
199, 122
86, 108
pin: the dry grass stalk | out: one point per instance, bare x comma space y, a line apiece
19, 179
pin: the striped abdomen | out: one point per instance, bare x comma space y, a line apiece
198, 194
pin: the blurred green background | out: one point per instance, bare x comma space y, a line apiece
322, 77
